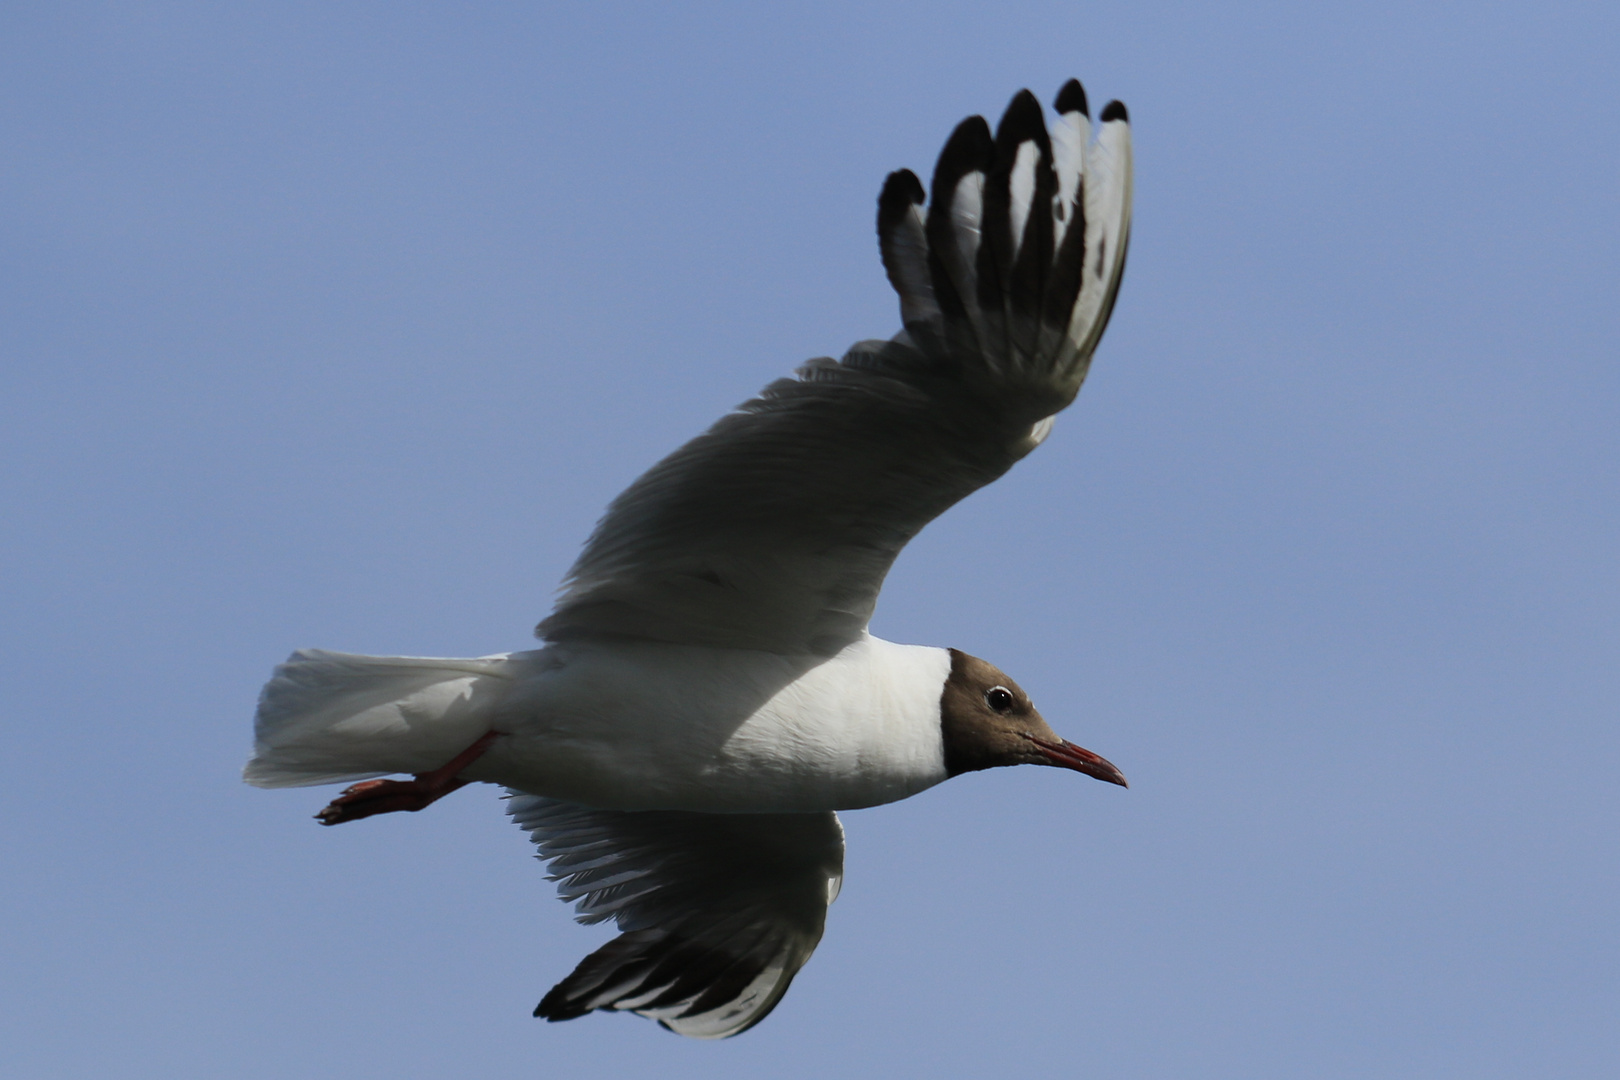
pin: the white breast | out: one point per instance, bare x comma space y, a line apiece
642, 726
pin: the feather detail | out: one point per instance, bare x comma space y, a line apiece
716, 912
903, 241
1107, 231
1024, 158
955, 210
1026, 233
774, 529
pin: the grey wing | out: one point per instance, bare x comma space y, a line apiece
774, 530
717, 912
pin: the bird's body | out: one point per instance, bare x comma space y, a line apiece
653, 726
708, 692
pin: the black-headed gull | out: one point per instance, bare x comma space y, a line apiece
708, 694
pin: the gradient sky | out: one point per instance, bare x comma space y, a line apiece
338, 324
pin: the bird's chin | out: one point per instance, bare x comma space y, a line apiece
1069, 756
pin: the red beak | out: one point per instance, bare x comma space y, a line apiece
1065, 753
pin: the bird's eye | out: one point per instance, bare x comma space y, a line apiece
999, 698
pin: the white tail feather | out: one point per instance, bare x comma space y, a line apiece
327, 717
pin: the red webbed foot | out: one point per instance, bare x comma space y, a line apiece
370, 797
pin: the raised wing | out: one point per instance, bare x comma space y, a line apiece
717, 912
774, 529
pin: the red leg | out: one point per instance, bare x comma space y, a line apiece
387, 796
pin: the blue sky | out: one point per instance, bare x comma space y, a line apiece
337, 325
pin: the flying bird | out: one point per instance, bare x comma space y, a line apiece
707, 694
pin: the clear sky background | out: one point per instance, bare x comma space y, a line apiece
338, 324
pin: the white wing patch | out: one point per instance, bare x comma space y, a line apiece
1022, 192
1108, 221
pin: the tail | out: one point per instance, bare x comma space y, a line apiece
327, 717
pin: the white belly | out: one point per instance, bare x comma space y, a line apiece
644, 726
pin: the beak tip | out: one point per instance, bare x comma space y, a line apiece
1066, 754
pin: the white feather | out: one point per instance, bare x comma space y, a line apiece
328, 717
1021, 191
909, 245
1069, 137
1108, 215
967, 211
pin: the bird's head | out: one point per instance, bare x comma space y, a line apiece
987, 720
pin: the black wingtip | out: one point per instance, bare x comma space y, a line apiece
556, 1006
1072, 98
970, 148
901, 191
1115, 110
1023, 120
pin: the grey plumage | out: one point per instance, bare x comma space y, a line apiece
775, 528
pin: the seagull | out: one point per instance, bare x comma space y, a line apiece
707, 694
